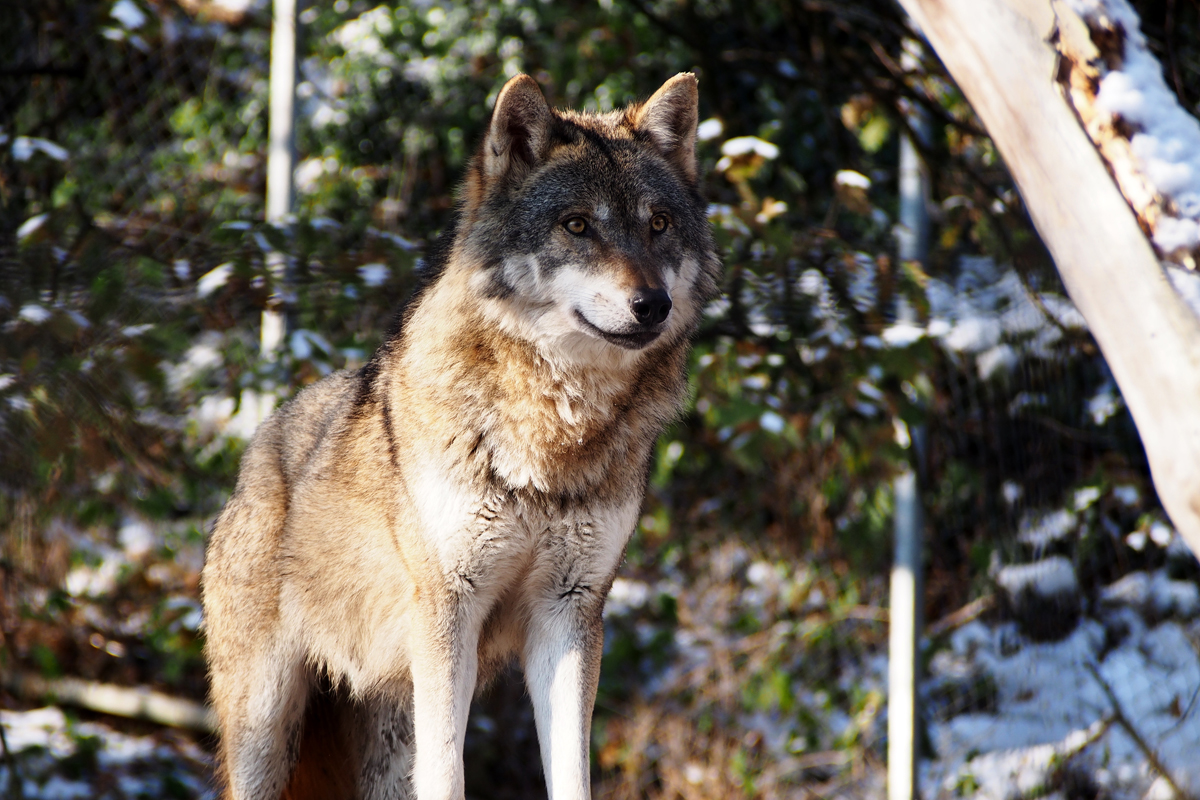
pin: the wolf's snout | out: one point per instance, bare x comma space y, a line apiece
650, 306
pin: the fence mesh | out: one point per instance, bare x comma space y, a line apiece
745, 634
1074, 672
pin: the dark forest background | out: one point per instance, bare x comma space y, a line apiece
133, 273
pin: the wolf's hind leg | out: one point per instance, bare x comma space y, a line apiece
387, 749
260, 709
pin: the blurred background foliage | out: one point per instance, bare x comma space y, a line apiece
133, 274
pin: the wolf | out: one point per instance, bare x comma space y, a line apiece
400, 533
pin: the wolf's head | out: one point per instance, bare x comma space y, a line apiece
587, 232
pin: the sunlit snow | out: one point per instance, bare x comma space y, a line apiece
1166, 141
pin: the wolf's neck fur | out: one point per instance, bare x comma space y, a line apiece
508, 413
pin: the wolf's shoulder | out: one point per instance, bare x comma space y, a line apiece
315, 413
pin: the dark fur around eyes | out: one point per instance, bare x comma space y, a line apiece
524, 217
577, 169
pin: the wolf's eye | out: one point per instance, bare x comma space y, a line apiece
575, 225
659, 223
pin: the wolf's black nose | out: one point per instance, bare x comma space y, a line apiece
650, 306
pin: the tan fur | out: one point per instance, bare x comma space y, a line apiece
399, 534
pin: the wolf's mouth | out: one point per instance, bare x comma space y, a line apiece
630, 341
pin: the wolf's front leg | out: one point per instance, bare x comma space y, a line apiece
565, 639
444, 670
562, 668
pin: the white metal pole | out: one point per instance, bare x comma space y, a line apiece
281, 161
905, 614
903, 636
913, 234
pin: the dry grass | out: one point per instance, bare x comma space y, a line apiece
767, 692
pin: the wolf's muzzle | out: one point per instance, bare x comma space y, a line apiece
634, 340
650, 306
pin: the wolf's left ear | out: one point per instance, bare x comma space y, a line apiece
519, 130
670, 117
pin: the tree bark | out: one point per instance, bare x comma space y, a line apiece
998, 53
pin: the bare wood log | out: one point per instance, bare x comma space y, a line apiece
998, 53
122, 701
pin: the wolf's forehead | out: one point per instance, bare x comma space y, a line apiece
610, 124
614, 182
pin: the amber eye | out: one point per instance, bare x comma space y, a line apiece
576, 225
659, 223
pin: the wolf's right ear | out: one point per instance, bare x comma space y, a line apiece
519, 130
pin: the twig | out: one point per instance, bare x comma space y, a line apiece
15, 790
968, 613
1187, 712
1079, 741
1118, 716
1067, 432
868, 613
825, 758
121, 701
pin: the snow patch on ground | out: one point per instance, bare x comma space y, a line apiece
1038, 706
60, 758
1155, 594
1042, 531
988, 313
1050, 576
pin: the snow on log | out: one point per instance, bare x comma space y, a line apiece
999, 53
1043, 597
1150, 143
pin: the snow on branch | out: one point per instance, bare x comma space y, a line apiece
1150, 143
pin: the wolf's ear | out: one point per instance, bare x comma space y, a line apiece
519, 130
669, 117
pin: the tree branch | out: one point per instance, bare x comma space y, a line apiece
1118, 716
997, 52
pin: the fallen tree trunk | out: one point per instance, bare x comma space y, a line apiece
121, 701
999, 54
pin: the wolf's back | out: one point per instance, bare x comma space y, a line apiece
278, 458
241, 579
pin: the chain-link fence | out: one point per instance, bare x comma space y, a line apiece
746, 634
158, 120
1074, 671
